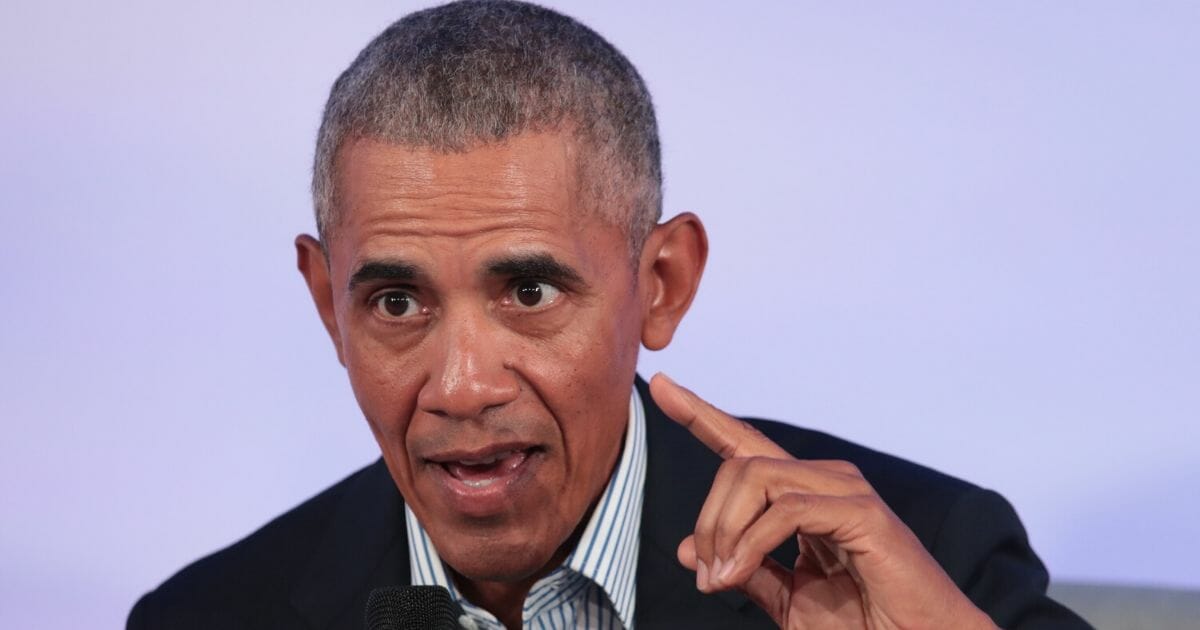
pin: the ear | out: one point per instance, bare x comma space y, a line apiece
314, 266
669, 271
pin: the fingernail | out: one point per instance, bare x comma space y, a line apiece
701, 575
726, 570
716, 572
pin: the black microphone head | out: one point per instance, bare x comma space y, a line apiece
412, 608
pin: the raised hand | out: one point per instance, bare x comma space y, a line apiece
859, 565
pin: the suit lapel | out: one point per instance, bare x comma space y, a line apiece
679, 473
364, 547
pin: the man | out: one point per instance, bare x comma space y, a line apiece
488, 189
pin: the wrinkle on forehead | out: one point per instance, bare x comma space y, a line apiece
496, 177
465, 223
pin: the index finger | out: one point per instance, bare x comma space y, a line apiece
722, 433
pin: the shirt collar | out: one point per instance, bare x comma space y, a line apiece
607, 551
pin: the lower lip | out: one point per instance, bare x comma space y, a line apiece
497, 495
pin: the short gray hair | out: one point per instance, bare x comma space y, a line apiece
479, 71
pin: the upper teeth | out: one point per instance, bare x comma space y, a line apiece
492, 459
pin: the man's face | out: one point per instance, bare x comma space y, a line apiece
490, 327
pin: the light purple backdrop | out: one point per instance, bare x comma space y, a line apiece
961, 232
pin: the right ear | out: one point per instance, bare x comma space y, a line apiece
314, 266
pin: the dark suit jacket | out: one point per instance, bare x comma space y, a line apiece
314, 566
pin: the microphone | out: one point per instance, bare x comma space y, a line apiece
412, 608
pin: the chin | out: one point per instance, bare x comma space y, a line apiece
495, 559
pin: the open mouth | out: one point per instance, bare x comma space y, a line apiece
479, 471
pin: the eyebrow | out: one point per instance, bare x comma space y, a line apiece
540, 266
393, 270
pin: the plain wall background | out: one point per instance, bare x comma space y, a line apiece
965, 233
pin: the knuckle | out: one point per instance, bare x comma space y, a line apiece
845, 468
762, 544
794, 502
756, 466
874, 510
861, 487
727, 468
761, 461
724, 532
731, 470
765, 469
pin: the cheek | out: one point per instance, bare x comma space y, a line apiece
588, 361
385, 386
585, 375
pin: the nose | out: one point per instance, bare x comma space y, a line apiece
468, 372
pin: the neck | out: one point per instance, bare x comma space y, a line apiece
505, 600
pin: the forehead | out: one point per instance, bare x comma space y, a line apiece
396, 200
529, 172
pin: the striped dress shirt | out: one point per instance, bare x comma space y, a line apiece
594, 587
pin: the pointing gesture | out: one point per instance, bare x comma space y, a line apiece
859, 565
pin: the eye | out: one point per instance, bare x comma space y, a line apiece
532, 294
396, 304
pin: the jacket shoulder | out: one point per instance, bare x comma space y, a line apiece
940, 509
973, 533
904, 485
